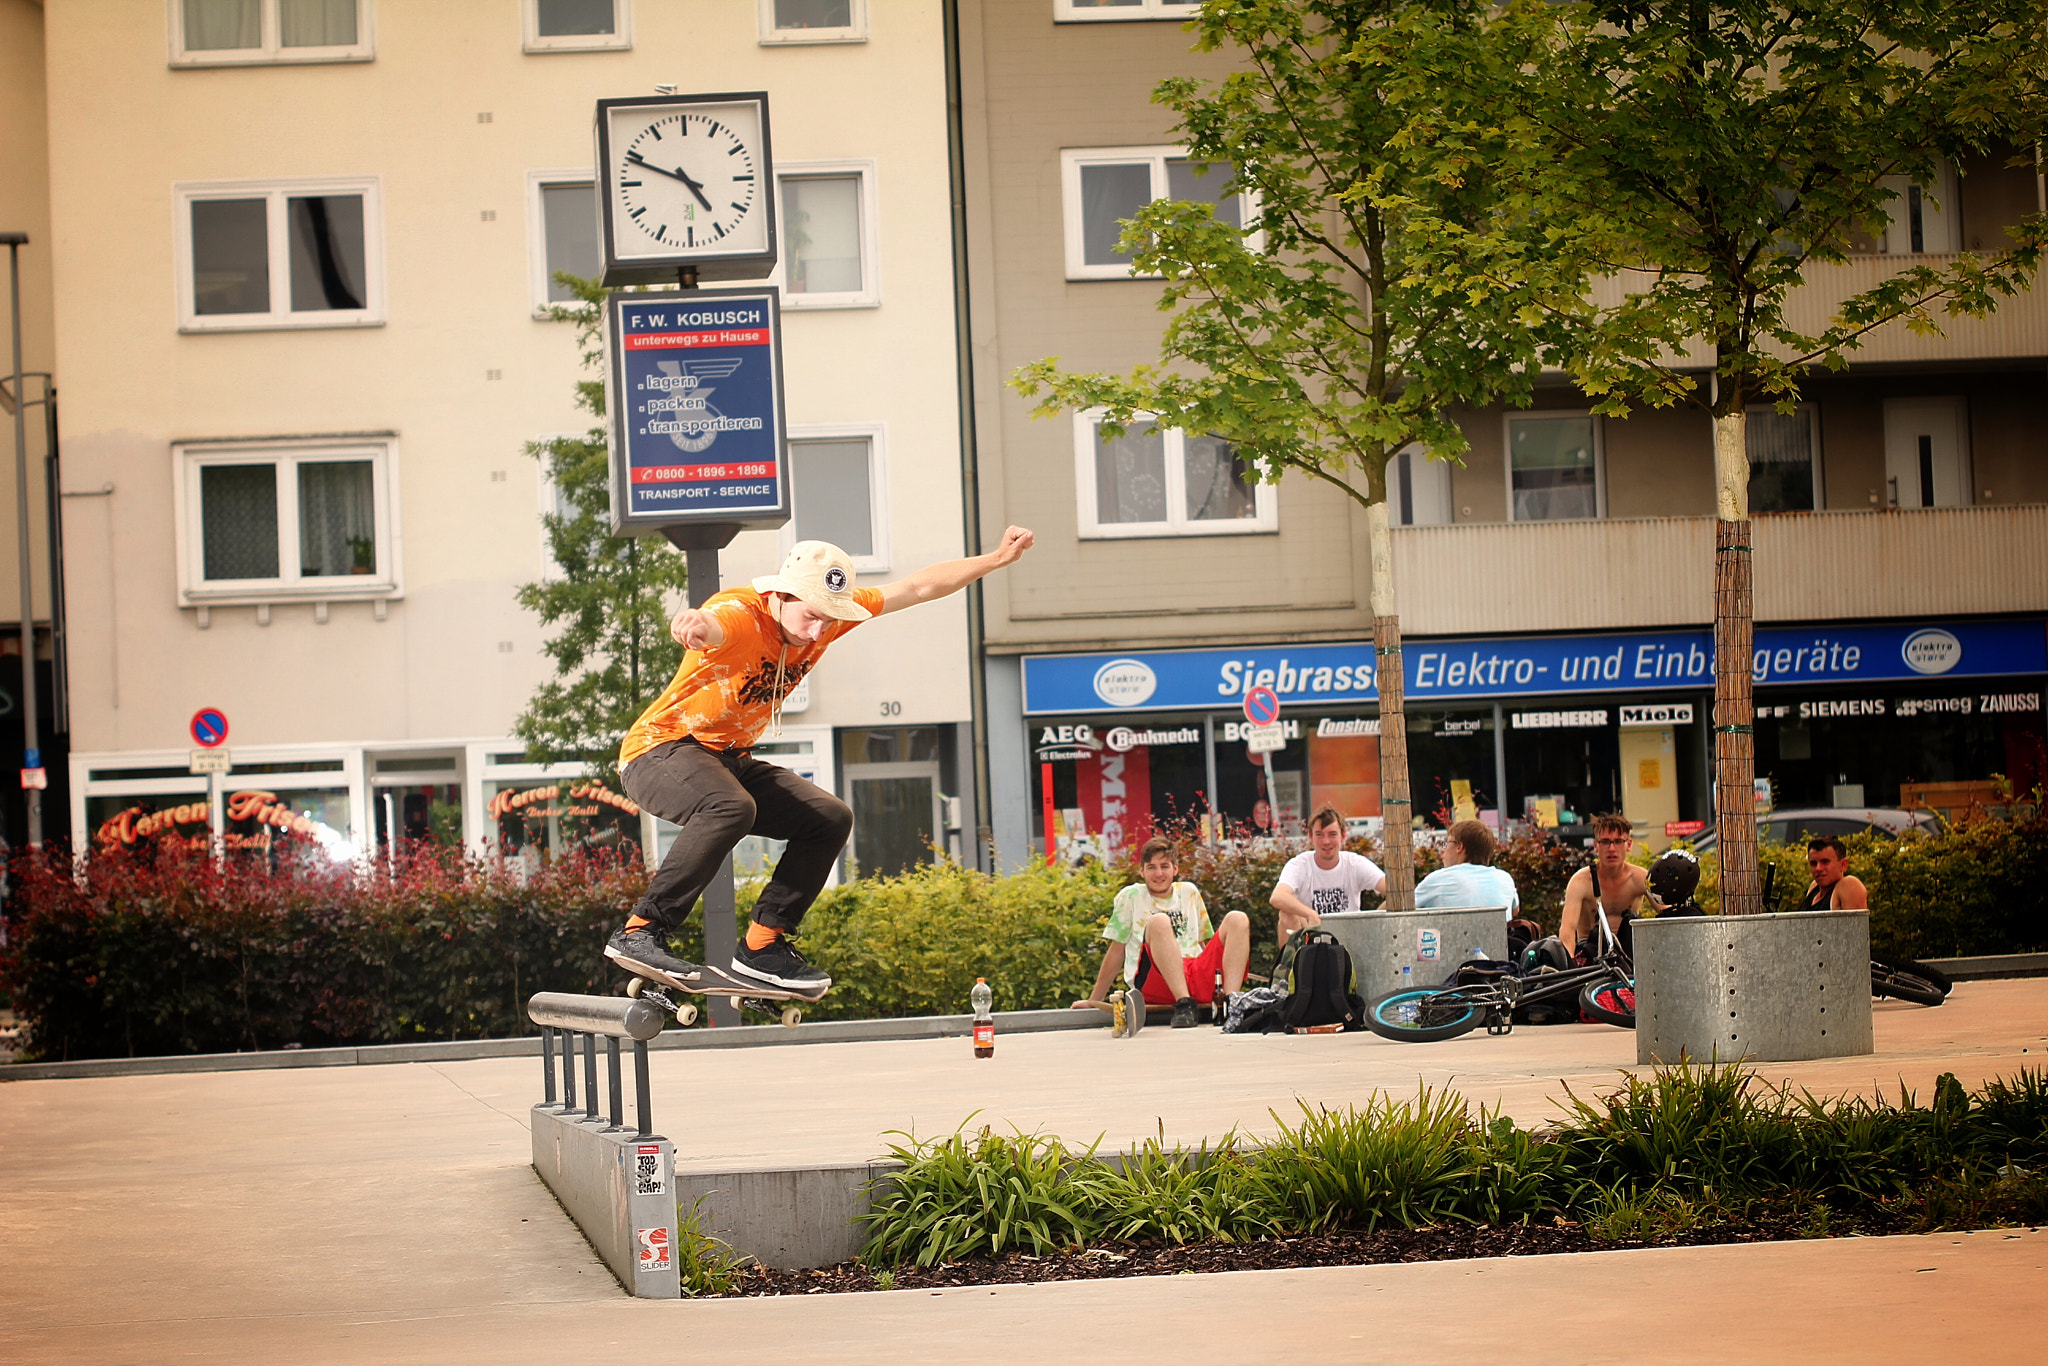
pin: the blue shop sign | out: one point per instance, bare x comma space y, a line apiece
1456, 670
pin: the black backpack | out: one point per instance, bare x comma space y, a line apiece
1322, 989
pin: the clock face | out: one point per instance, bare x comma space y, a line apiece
687, 181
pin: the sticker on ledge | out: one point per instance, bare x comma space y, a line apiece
648, 1177
1427, 945
654, 1246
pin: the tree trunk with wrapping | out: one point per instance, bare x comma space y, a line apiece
1734, 689
1397, 809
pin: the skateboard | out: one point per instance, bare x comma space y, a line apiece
674, 997
1126, 1011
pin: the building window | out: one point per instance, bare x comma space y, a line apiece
1922, 219
1095, 11
1418, 489
561, 234
578, 25
814, 21
1554, 468
238, 32
828, 243
838, 492
283, 254
1784, 474
1101, 187
309, 520
1155, 481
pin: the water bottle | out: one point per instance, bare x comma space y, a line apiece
1217, 1000
984, 1019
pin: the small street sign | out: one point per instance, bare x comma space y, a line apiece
1265, 739
212, 761
1262, 706
209, 728
1679, 830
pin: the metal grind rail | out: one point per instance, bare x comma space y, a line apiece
576, 1023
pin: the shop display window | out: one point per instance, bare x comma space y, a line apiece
1450, 765
147, 822
1860, 747
537, 820
1107, 783
424, 813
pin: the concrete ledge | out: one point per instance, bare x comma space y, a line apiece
785, 1217
619, 1188
1992, 967
462, 1050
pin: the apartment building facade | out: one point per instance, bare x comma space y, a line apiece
1555, 589
304, 259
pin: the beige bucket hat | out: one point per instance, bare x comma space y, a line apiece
820, 575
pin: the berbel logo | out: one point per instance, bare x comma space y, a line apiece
1932, 651
1125, 682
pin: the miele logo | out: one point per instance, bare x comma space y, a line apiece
1669, 714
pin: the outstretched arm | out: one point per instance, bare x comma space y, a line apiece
1112, 964
950, 576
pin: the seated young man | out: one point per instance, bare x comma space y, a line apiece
1163, 925
1468, 878
1610, 886
1834, 887
1323, 878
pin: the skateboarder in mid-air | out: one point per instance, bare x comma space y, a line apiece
688, 758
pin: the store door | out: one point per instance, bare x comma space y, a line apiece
1926, 453
896, 815
1649, 781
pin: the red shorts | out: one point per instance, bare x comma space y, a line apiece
1201, 971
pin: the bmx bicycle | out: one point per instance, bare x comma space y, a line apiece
1603, 989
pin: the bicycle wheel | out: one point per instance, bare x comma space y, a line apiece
1886, 980
1934, 977
1611, 1003
1426, 1015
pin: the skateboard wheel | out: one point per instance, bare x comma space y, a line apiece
737, 1001
792, 1017
686, 1014
635, 987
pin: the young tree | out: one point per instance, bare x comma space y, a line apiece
1381, 282
611, 598
1708, 155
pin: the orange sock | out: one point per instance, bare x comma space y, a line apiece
637, 922
760, 937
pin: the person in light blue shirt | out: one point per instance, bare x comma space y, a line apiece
1468, 878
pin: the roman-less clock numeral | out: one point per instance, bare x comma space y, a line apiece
741, 207
734, 151
715, 130
655, 129
690, 237
637, 212
743, 177
629, 184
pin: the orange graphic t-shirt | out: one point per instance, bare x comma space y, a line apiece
723, 696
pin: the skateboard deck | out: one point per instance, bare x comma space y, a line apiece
1133, 1003
673, 995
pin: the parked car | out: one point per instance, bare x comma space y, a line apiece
1801, 821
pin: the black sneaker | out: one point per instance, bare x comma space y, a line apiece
779, 964
644, 951
1184, 1013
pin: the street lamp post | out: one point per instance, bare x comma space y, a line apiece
32, 775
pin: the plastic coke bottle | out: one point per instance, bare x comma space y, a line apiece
984, 1020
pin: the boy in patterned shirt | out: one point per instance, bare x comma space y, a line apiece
689, 759
1161, 927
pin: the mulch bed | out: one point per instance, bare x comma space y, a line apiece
1341, 1248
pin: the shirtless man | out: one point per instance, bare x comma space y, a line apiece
1612, 885
1832, 888
689, 758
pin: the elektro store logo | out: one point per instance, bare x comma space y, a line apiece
1125, 682
1932, 651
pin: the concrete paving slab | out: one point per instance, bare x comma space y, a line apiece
358, 1213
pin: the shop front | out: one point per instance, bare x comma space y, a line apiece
1541, 732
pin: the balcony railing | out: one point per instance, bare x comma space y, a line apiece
1658, 571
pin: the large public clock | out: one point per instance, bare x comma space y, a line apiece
685, 184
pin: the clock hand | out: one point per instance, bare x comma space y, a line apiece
694, 187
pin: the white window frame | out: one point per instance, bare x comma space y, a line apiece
1072, 159
1430, 479
1811, 412
876, 434
1067, 12
620, 40
275, 193
271, 51
194, 590
870, 294
855, 32
537, 231
1507, 460
547, 500
1265, 497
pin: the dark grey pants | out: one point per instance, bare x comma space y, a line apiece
719, 798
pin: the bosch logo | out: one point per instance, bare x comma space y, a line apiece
835, 579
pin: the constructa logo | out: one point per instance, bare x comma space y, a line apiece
1932, 651
1125, 682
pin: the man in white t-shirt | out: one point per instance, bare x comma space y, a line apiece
1468, 880
1161, 928
1323, 878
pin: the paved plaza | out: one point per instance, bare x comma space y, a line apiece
389, 1212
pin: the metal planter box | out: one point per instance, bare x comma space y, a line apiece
1382, 943
1777, 988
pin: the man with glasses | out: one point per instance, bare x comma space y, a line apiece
1610, 886
1832, 888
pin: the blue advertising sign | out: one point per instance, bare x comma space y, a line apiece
1455, 670
696, 404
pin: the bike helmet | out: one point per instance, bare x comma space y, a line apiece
1547, 952
1674, 877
